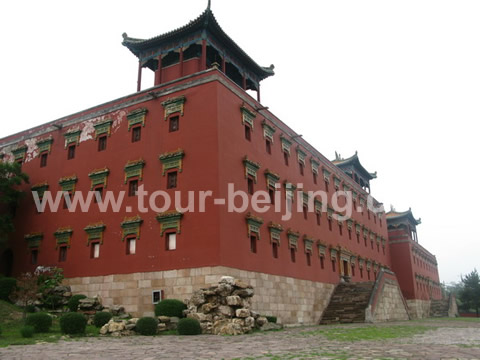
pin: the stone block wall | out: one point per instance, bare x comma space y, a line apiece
292, 300
390, 306
418, 309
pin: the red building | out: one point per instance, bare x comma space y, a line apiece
198, 134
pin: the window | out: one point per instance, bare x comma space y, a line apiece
171, 241
334, 265
275, 250
319, 217
361, 273
157, 296
378, 247
98, 192
368, 274
43, 160
340, 229
131, 246
301, 167
371, 244
102, 143
71, 152
285, 157
368, 214
173, 124
62, 254
271, 193
132, 187
250, 183
305, 212
330, 224
365, 241
292, 254
136, 133
268, 146
358, 238
95, 250
349, 234
309, 259
253, 244
315, 177
326, 186
322, 262
248, 133
34, 257
172, 180
67, 199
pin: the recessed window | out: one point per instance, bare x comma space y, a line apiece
361, 273
43, 159
253, 244
322, 262
157, 296
248, 133
95, 250
318, 216
292, 254
268, 146
285, 157
71, 152
365, 241
330, 224
174, 124
349, 234
271, 194
334, 265
309, 259
172, 180
131, 246
34, 256
98, 194
353, 270
171, 241
358, 238
315, 178
250, 185
301, 167
368, 274
62, 254
136, 133
102, 143
132, 187
67, 199
371, 244
275, 250
340, 229
305, 212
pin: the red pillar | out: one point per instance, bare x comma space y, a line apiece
203, 63
181, 61
139, 80
158, 72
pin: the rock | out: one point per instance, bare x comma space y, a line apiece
117, 310
200, 317
162, 327
225, 310
206, 308
242, 313
227, 280
130, 326
104, 329
198, 298
271, 326
132, 321
224, 290
164, 319
67, 294
234, 300
174, 319
207, 327
261, 320
250, 322
254, 314
244, 293
114, 326
227, 327
123, 316
241, 284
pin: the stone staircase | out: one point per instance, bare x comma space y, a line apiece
348, 303
439, 308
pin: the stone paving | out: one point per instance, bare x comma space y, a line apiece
450, 339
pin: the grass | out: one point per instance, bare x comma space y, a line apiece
368, 332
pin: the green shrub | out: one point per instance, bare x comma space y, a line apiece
101, 318
53, 301
189, 326
170, 307
75, 301
41, 322
27, 331
271, 319
7, 285
0, 331
30, 309
73, 323
146, 326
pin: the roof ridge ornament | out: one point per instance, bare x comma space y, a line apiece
209, 5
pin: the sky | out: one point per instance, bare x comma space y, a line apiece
397, 81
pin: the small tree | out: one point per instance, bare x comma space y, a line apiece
26, 291
470, 294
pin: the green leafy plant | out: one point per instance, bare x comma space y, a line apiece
30, 309
189, 326
146, 326
7, 286
101, 318
271, 319
41, 322
170, 307
73, 323
27, 331
52, 301
75, 301
26, 290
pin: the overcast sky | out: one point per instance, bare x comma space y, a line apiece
398, 81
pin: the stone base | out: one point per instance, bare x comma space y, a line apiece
292, 301
391, 306
418, 309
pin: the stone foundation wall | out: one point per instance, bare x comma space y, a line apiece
390, 306
292, 300
418, 309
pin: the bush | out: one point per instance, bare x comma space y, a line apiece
30, 308
7, 285
146, 326
0, 331
271, 319
73, 323
170, 307
41, 322
75, 301
189, 326
101, 318
53, 301
27, 331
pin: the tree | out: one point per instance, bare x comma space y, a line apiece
26, 291
11, 177
470, 294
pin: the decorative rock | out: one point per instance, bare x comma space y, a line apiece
225, 310
261, 320
130, 326
227, 280
206, 308
200, 316
243, 293
164, 319
198, 298
104, 329
132, 321
162, 327
271, 326
174, 319
250, 322
254, 314
114, 326
241, 284
234, 300
242, 313
224, 290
